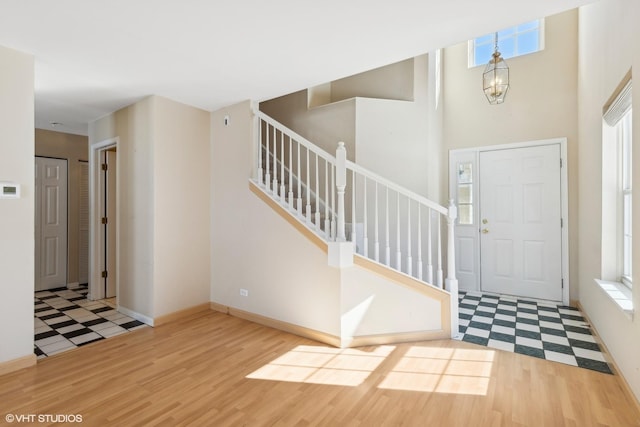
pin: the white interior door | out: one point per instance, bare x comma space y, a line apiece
520, 222
51, 223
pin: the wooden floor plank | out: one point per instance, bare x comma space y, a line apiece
205, 370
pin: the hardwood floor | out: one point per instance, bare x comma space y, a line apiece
215, 370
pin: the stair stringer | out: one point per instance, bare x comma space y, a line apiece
378, 305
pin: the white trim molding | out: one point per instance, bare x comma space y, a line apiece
619, 294
134, 314
95, 290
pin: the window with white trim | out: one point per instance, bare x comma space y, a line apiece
513, 41
617, 172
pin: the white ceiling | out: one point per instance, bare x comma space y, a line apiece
94, 57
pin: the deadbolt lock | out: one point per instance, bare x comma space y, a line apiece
485, 221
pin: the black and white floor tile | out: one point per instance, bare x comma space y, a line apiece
535, 328
66, 319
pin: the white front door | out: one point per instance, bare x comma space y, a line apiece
520, 222
51, 223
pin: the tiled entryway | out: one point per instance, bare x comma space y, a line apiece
66, 319
535, 328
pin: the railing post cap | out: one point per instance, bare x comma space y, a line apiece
452, 211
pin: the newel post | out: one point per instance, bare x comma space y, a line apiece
341, 251
341, 184
451, 282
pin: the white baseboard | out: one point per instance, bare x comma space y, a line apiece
141, 317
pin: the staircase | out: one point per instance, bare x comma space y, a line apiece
362, 217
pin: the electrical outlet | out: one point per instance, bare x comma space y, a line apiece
244, 293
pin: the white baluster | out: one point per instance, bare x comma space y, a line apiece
341, 184
353, 212
419, 243
290, 174
398, 249
409, 260
439, 271
307, 210
333, 203
387, 249
365, 236
267, 175
327, 220
299, 204
317, 218
376, 240
452, 282
275, 164
260, 177
429, 249
282, 193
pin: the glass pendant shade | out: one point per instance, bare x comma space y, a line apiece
495, 79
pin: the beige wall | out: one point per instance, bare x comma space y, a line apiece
161, 149
541, 104
181, 206
17, 226
324, 125
253, 248
373, 305
392, 136
608, 49
397, 78
74, 148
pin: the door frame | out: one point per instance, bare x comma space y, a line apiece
473, 155
96, 245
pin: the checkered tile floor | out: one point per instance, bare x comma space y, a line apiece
535, 328
65, 319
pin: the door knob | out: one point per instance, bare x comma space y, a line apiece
485, 230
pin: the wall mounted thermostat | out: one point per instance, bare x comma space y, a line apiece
9, 190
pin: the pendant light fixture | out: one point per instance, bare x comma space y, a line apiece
495, 79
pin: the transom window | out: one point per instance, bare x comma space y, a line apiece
513, 41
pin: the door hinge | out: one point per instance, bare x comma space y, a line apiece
561, 223
104, 167
105, 274
560, 162
562, 283
104, 220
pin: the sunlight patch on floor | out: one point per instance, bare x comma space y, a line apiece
442, 370
324, 365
